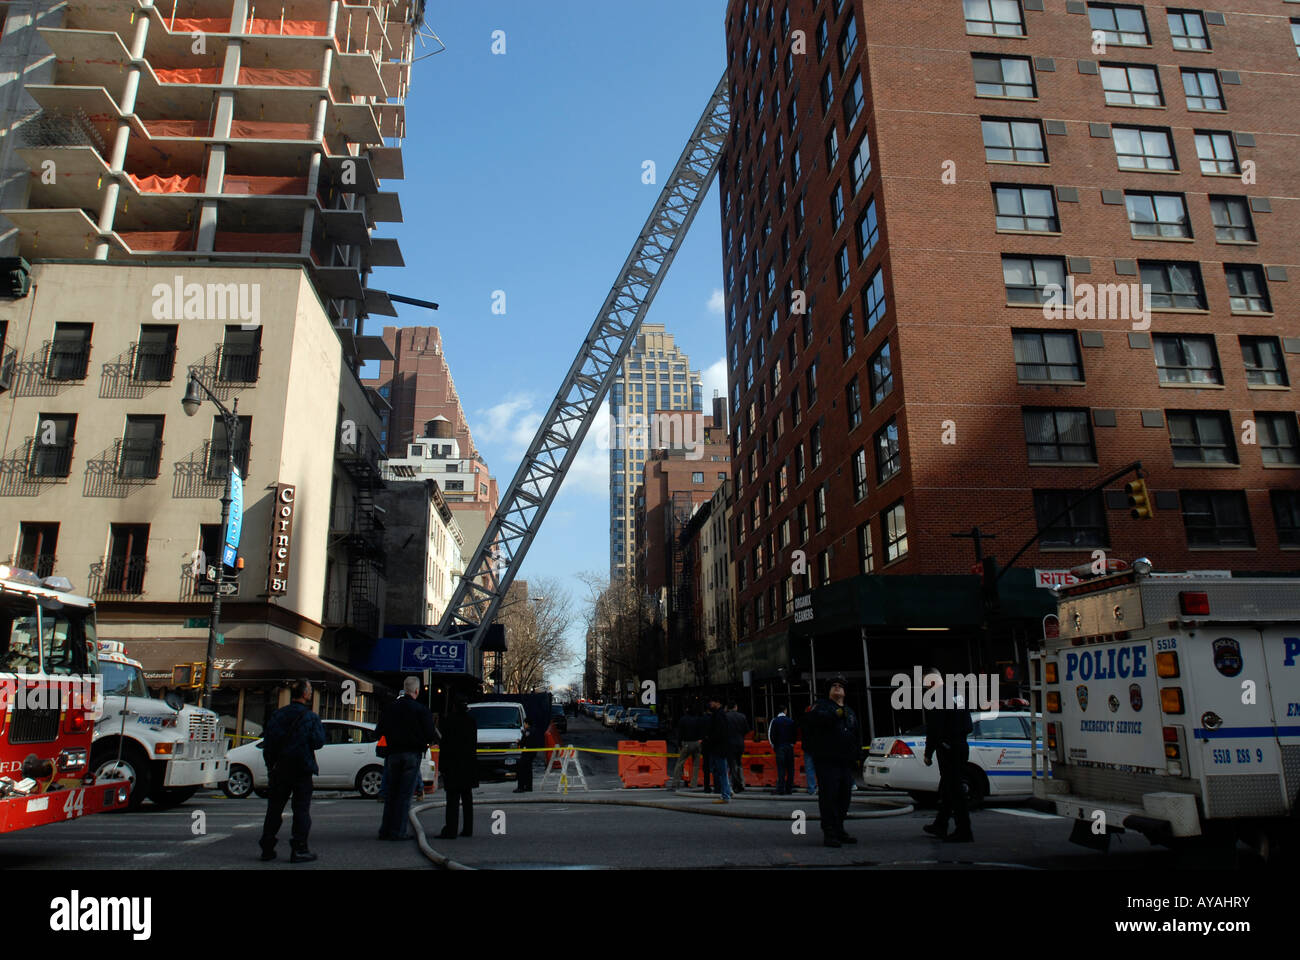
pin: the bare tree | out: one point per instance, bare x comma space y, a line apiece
614, 625
537, 618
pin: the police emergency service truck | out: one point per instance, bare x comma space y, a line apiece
1170, 705
166, 748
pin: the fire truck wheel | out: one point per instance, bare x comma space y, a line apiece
171, 796
134, 766
369, 782
975, 786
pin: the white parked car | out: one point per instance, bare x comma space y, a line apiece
999, 760
347, 762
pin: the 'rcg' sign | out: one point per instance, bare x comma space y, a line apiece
440, 656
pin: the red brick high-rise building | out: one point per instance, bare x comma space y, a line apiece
920, 175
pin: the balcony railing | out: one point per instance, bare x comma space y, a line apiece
360, 453
118, 577
66, 361
49, 461
42, 564
153, 362
138, 459
8, 369
239, 363
217, 453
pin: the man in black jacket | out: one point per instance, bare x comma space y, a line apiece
738, 723
292, 737
690, 733
407, 726
458, 764
718, 744
780, 733
837, 748
946, 729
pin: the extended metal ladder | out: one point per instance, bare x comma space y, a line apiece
530, 494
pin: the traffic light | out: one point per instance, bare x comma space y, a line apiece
1138, 498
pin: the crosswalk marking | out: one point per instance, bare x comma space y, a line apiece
1033, 814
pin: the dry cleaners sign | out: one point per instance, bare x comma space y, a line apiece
277, 570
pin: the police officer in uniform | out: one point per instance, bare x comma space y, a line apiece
946, 729
836, 745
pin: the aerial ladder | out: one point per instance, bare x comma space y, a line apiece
524, 504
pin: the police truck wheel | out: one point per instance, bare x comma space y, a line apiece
369, 782
974, 786
240, 784
133, 766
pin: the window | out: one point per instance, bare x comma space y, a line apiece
827, 90
860, 474
853, 404
811, 380
1027, 278
1202, 89
37, 547
803, 523
882, 374
800, 473
848, 42
842, 269
860, 163
832, 149
697, 477
796, 410
866, 559
1286, 510
1201, 437
889, 459
893, 522
868, 230
819, 508
824, 567
1174, 286
1045, 356
1262, 357
1143, 148
141, 449
847, 340
995, 18
1026, 209
1295, 35
1247, 291
1131, 85
1162, 215
1278, 441
1232, 220
1122, 26
1217, 518
823, 38
1186, 359
1083, 525
155, 354
125, 565
798, 216
1059, 436
1187, 30
1215, 150
219, 449
873, 300
241, 355
853, 101
52, 445
1003, 77
815, 444
837, 207
69, 352
1013, 141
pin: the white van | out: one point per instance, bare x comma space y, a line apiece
500, 727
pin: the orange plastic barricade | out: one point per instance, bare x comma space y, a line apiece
688, 772
759, 764
644, 771
624, 760
800, 780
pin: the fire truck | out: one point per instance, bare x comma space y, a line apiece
49, 688
1169, 705
165, 748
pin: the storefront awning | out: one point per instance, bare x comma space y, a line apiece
241, 663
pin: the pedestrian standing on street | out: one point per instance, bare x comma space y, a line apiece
946, 729
718, 743
408, 726
459, 760
780, 734
837, 747
524, 769
739, 726
690, 733
292, 736
809, 768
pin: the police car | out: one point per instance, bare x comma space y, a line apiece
999, 760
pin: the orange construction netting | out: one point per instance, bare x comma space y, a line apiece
298, 28
241, 184
188, 74
176, 184
271, 77
270, 130
178, 128
200, 25
168, 240
258, 242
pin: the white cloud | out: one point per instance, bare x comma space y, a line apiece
714, 377
716, 303
494, 423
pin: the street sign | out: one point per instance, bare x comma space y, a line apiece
231, 550
197, 623
221, 638
229, 587
440, 656
205, 586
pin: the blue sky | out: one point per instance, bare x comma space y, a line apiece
523, 174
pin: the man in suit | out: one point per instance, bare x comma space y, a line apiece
407, 726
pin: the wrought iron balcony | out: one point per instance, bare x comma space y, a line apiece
66, 361
42, 564
360, 452
118, 577
239, 363
153, 362
49, 461
138, 459
216, 453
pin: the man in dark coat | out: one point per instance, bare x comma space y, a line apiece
292, 736
718, 744
837, 748
946, 729
407, 725
458, 764
690, 732
738, 724
780, 733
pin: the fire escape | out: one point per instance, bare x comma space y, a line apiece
357, 534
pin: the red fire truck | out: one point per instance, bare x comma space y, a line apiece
49, 697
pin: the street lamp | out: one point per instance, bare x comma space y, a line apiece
195, 391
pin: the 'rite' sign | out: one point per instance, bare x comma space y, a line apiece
277, 570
